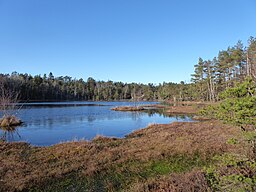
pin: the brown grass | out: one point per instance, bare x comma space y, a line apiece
190, 103
10, 121
182, 109
23, 166
128, 108
192, 181
201, 118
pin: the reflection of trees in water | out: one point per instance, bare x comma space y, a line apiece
58, 105
152, 112
65, 118
90, 118
87, 117
9, 133
136, 115
162, 113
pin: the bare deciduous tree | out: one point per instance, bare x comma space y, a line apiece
8, 104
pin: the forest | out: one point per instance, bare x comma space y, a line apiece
231, 66
210, 78
50, 88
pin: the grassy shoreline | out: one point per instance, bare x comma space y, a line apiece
149, 159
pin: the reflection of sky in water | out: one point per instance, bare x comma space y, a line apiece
46, 125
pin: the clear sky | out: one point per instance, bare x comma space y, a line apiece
121, 40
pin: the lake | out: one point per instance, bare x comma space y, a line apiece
51, 123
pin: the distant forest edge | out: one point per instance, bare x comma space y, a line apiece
210, 78
50, 88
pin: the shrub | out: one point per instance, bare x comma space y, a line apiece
238, 106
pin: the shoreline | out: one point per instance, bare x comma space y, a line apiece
34, 167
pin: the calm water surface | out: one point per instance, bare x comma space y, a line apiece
51, 123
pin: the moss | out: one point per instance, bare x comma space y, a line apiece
121, 176
109, 164
232, 141
232, 172
71, 182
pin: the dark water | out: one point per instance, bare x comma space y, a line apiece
50, 123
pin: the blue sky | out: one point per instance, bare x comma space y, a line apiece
121, 40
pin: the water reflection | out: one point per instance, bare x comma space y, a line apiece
54, 105
163, 113
50, 125
9, 133
69, 117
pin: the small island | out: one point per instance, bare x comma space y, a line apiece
9, 121
128, 108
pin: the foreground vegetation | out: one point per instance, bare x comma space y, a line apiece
150, 159
238, 108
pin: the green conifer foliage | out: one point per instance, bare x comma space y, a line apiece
239, 104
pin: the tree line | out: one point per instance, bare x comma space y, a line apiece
231, 66
51, 88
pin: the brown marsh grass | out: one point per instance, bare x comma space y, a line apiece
128, 108
9, 121
109, 164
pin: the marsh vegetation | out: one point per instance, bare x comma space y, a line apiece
8, 108
171, 153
